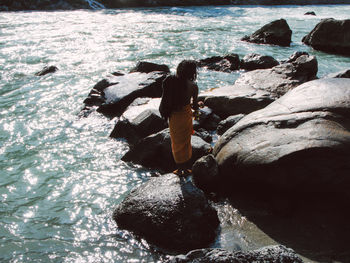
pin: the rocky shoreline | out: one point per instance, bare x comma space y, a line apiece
20, 5
281, 131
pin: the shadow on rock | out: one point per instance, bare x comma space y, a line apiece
315, 225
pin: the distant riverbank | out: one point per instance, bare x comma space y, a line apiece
21, 5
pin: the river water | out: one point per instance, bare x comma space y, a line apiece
61, 175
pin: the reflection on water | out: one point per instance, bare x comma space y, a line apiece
61, 176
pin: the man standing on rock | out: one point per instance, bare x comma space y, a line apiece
175, 106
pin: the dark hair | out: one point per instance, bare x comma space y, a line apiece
187, 69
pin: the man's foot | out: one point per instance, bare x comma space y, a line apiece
182, 172
210, 150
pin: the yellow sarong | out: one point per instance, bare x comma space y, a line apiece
181, 129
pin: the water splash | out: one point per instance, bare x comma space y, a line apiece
95, 5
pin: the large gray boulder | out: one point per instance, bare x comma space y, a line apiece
256, 89
170, 212
330, 35
154, 151
299, 142
269, 254
276, 32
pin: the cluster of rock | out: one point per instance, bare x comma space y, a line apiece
281, 128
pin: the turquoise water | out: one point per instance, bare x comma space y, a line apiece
61, 176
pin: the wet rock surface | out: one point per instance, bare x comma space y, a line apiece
271, 254
169, 212
298, 142
46, 70
330, 35
276, 32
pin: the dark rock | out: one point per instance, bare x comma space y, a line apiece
154, 151
228, 123
277, 33
205, 173
301, 142
341, 74
227, 63
207, 120
169, 212
145, 124
46, 70
147, 67
270, 254
310, 13
331, 36
205, 135
295, 56
256, 61
114, 94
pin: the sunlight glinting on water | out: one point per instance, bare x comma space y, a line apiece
61, 175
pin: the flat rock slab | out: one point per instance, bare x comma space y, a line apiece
169, 212
270, 254
301, 141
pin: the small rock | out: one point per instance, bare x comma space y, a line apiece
46, 70
228, 123
277, 33
227, 63
147, 67
310, 13
256, 61
205, 173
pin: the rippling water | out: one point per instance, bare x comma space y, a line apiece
61, 176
